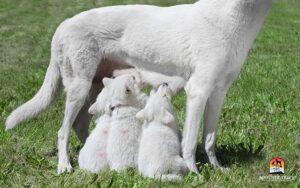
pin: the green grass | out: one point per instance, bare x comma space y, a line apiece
260, 119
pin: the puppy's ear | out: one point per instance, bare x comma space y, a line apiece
142, 115
97, 109
167, 117
107, 81
152, 92
93, 109
137, 77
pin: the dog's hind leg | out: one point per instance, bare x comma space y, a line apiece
210, 127
83, 119
82, 122
76, 96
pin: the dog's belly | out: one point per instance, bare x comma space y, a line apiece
106, 68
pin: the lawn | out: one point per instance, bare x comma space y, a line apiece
260, 119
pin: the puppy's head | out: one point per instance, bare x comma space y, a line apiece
158, 107
131, 71
102, 105
123, 90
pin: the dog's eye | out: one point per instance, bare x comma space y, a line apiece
133, 77
127, 90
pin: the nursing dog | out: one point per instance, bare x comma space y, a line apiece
126, 100
206, 43
93, 156
160, 149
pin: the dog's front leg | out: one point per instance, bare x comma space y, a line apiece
210, 128
197, 95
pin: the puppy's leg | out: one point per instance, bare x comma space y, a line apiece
76, 95
197, 93
210, 128
83, 119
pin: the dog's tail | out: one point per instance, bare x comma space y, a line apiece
41, 100
170, 177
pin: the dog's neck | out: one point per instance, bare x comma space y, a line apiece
121, 111
237, 17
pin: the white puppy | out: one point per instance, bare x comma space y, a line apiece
123, 140
92, 156
159, 152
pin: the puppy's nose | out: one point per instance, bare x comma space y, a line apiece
165, 84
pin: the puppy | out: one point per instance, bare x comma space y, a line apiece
126, 100
159, 151
92, 156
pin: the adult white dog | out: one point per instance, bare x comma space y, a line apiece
206, 43
160, 149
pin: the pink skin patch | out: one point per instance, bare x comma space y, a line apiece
105, 131
101, 154
124, 131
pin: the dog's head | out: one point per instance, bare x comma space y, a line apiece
123, 90
131, 71
102, 105
158, 107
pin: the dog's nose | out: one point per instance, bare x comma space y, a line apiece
165, 84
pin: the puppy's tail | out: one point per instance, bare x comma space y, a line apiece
170, 177
40, 101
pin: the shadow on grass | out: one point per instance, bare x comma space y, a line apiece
233, 154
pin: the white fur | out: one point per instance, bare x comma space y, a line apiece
123, 140
159, 153
206, 43
93, 156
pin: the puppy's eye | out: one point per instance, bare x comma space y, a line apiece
133, 77
127, 90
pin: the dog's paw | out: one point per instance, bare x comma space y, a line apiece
64, 168
190, 163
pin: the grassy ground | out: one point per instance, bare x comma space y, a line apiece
260, 119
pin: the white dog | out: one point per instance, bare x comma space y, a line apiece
206, 43
159, 152
93, 155
123, 141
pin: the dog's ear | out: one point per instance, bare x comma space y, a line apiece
152, 92
107, 81
93, 109
96, 109
142, 115
137, 77
167, 117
